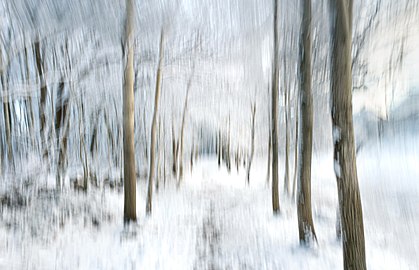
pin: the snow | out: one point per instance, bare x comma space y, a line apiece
215, 221
336, 166
336, 134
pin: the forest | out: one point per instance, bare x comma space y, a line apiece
209, 134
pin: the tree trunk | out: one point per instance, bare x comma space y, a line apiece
44, 92
294, 184
82, 149
287, 146
219, 149
274, 115
151, 171
192, 155
130, 189
305, 219
343, 136
7, 122
286, 81
228, 155
174, 151
182, 132
159, 143
31, 118
62, 130
252, 144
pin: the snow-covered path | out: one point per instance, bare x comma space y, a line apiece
213, 221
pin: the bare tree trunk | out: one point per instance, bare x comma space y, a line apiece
182, 132
219, 149
192, 155
275, 78
93, 139
44, 92
31, 118
228, 155
145, 139
61, 129
82, 150
7, 121
130, 183
164, 165
343, 134
158, 157
174, 151
252, 144
287, 146
297, 131
306, 230
154, 129
286, 81
268, 175
237, 160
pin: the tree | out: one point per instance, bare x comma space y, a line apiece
182, 131
252, 144
151, 171
44, 92
343, 135
297, 115
130, 188
274, 114
286, 82
61, 129
219, 152
305, 219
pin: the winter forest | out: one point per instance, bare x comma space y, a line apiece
209, 134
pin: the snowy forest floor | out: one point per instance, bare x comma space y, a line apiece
214, 221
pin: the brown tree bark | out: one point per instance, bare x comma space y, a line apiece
130, 183
343, 134
44, 92
274, 115
151, 171
305, 219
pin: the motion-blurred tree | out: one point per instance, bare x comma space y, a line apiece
343, 136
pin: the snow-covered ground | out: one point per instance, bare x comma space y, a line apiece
215, 221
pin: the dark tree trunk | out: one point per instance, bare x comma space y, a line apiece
44, 92
274, 115
305, 219
343, 134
